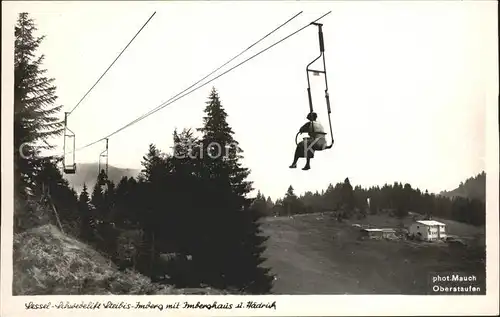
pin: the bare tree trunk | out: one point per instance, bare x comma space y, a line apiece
57, 216
46, 193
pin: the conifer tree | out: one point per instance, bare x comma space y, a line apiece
35, 113
107, 228
151, 194
270, 203
109, 201
97, 198
291, 202
231, 253
98, 212
87, 221
348, 200
84, 198
183, 184
260, 204
152, 163
124, 215
186, 148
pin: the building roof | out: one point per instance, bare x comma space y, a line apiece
388, 230
431, 223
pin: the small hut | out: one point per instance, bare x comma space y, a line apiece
371, 233
385, 233
389, 233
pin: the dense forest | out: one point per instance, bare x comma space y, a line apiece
187, 219
397, 199
473, 188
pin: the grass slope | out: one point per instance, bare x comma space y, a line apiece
314, 254
47, 262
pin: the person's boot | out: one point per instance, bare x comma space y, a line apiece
308, 165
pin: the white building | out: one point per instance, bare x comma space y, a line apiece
428, 230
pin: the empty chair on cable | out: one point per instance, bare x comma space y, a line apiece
68, 134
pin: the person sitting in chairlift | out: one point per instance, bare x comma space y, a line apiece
315, 142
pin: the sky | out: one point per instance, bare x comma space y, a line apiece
408, 83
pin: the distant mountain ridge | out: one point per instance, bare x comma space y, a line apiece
86, 173
473, 188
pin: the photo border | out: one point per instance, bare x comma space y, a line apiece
287, 305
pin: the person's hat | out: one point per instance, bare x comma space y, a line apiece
312, 116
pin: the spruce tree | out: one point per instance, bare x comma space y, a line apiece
186, 148
98, 211
107, 228
35, 112
124, 216
109, 201
97, 198
182, 194
153, 164
260, 205
87, 221
184, 184
233, 244
347, 198
290, 202
84, 198
151, 194
269, 203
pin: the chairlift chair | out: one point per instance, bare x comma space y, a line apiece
104, 154
68, 168
318, 73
